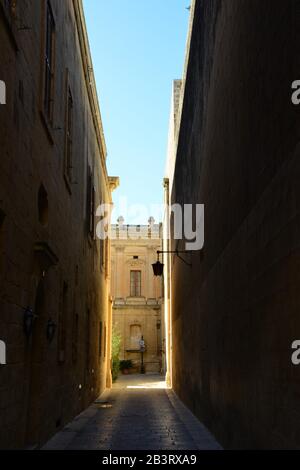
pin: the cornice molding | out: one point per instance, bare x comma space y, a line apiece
135, 262
90, 82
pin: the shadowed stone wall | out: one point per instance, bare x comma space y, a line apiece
236, 310
50, 259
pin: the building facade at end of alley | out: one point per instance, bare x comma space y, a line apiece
138, 295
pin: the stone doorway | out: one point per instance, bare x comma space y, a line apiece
36, 369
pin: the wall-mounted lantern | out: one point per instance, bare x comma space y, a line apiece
158, 267
28, 321
51, 329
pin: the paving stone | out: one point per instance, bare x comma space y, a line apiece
139, 419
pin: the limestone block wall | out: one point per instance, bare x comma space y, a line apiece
46, 383
236, 310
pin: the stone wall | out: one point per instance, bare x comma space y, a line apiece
236, 310
49, 258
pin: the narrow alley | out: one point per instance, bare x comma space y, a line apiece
138, 413
149, 227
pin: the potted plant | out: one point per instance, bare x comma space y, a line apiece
116, 349
125, 366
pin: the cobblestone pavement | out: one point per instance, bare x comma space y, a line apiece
139, 413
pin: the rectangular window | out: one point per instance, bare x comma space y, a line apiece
104, 341
69, 137
62, 325
100, 338
135, 283
49, 63
104, 256
107, 257
90, 204
102, 253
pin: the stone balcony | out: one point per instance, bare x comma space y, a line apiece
124, 301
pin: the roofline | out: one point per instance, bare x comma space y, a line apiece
90, 80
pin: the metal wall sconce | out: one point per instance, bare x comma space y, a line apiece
51, 329
158, 267
28, 321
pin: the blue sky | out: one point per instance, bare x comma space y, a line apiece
138, 48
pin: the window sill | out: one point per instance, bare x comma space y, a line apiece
68, 183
